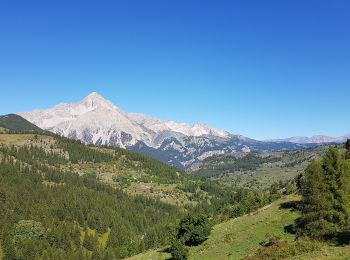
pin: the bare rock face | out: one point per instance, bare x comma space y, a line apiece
96, 120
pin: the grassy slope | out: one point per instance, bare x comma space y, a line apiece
240, 237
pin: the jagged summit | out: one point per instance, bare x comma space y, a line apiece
95, 100
94, 95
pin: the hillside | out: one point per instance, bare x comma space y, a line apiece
60, 187
53, 192
259, 170
17, 123
51, 200
134, 173
241, 237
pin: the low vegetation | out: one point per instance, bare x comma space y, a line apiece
53, 191
312, 225
256, 170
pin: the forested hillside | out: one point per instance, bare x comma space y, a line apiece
14, 122
62, 199
258, 170
50, 212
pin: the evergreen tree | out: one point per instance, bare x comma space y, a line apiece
325, 190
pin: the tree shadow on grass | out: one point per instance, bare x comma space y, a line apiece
166, 250
342, 238
290, 229
292, 205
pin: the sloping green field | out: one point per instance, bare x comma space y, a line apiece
240, 237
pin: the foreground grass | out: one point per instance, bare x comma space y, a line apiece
239, 237
1, 253
327, 253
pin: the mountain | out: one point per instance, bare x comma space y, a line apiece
316, 139
96, 120
17, 123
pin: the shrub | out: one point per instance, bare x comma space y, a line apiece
270, 241
194, 229
178, 250
283, 249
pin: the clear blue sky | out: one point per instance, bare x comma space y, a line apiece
264, 69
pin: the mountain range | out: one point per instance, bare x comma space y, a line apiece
96, 120
316, 139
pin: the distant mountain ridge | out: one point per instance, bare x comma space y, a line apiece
316, 139
96, 120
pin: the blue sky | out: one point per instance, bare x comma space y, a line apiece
264, 69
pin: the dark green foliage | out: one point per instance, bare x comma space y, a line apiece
325, 187
347, 147
61, 209
34, 155
28, 229
17, 123
60, 204
160, 172
193, 229
189, 186
90, 242
218, 165
82, 153
247, 200
178, 250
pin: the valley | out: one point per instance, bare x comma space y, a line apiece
53, 190
55, 184
174, 130
96, 120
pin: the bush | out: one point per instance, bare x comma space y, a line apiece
90, 242
270, 241
194, 229
178, 250
283, 249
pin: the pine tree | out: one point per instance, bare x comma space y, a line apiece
325, 190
